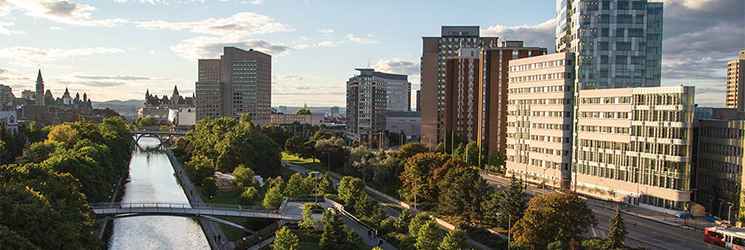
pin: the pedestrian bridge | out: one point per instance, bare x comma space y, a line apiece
156, 134
115, 210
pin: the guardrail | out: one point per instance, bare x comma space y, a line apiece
209, 206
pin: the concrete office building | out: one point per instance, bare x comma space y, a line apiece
492, 109
720, 176
735, 92
408, 122
634, 145
366, 104
242, 79
539, 118
435, 52
617, 43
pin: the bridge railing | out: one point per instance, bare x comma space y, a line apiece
195, 205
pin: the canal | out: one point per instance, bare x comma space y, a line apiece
151, 179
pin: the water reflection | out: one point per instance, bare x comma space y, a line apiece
152, 180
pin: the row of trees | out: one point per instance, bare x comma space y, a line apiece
44, 193
223, 144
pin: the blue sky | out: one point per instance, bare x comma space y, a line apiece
116, 49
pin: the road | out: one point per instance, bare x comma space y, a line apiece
211, 229
642, 232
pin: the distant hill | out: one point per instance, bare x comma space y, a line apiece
126, 108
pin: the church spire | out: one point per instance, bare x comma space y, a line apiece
39, 79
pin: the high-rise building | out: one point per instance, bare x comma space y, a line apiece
719, 179
634, 145
334, 112
238, 83
398, 91
539, 118
366, 104
492, 109
618, 43
462, 94
435, 53
735, 77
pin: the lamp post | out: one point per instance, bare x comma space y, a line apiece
729, 213
720, 207
509, 228
543, 185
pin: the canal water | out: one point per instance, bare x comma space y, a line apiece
152, 180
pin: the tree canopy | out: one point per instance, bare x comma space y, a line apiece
553, 217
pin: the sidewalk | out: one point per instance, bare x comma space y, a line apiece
210, 228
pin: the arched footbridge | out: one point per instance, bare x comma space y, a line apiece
114, 210
156, 134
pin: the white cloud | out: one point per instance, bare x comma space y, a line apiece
329, 43
61, 11
326, 31
539, 35
397, 66
304, 38
289, 77
55, 28
5, 31
36, 55
211, 47
241, 24
691, 4
361, 40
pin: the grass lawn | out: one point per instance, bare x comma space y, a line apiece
306, 163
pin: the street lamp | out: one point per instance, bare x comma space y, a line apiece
329, 161
729, 213
720, 207
509, 228
543, 185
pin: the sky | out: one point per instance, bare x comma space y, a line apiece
118, 49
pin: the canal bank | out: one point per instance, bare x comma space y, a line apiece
211, 229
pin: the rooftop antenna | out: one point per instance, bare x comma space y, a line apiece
368, 62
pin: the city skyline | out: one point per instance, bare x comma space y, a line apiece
116, 49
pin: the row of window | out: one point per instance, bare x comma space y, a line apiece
541, 77
539, 65
545, 89
547, 101
605, 129
604, 115
605, 100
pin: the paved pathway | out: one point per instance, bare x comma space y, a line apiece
211, 229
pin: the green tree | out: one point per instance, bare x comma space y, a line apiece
468, 152
617, 234
277, 134
64, 133
284, 239
509, 202
416, 224
403, 220
326, 185
199, 168
553, 217
411, 149
295, 186
249, 196
308, 221
454, 240
209, 187
273, 198
351, 190
294, 144
146, 121
303, 112
422, 175
497, 159
428, 236
462, 192
333, 230
244, 177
